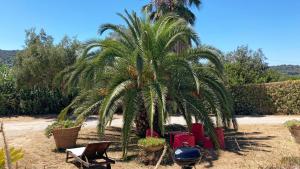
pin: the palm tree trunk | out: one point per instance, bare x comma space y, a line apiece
141, 123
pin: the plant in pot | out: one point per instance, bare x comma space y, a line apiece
151, 144
151, 149
65, 133
294, 128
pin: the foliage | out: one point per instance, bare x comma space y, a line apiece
138, 72
245, 66
35, 101
33, 73
292, 123
6, 75
40, 61
151, 142
59, 125
284, 77
7, 56
268, 98
158, 8
15, 154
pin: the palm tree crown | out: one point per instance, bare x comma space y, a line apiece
138, 71
158, 8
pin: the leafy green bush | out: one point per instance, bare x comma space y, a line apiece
59, 125
268, 98
292, 123
151, 142
30, 101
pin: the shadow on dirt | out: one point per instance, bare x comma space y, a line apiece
236, 142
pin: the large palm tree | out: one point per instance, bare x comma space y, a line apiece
159, 8
138, 72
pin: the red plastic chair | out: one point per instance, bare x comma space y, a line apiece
220, 137
154, 133
207, 143
180, 139
198, 131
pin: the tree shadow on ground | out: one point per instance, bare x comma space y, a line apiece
239, 143
243, 142
111, 134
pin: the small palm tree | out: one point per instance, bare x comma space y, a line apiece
159, 8
141, 74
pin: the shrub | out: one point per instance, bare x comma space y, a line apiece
151, 142
268, 98
59, 125
30, 101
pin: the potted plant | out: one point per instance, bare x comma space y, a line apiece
294, 128
151, 144
65, 133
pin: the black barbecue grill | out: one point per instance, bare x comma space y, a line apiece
187, 157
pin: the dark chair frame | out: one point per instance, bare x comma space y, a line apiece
92, 152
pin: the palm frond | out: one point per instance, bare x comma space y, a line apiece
130, 110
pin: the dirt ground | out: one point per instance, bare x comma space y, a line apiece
253, 146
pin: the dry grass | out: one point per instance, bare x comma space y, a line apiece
254, 146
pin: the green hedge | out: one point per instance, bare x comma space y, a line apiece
268, 98
31, 101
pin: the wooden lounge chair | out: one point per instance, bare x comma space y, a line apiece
90, 153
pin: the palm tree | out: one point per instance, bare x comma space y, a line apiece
140, 73
158, 8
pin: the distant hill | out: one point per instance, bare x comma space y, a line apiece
292, 70
7, 56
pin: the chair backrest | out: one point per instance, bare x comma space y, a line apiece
181, 139
94, 150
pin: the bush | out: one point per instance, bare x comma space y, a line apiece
268, 98
30, 101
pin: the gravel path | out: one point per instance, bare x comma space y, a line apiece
20, 126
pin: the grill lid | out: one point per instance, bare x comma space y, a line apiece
186, 153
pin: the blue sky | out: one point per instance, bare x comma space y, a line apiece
273, 25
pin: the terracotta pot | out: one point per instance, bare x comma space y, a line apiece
66, 137
295, 132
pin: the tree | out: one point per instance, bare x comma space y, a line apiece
5, 74
159, 8
41, 60
139, 73
244, 66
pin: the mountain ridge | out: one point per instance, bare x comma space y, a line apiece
291, 70
7, 56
